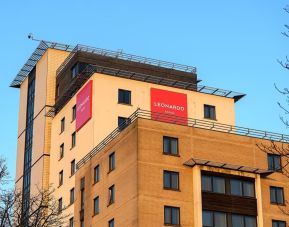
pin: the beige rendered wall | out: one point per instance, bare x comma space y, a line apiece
201, 144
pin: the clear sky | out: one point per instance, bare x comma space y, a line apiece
234, 45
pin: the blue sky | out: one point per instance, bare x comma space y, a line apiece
234, 45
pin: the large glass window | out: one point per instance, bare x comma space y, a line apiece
242, 188
171, 215
276, 195
124, 96
243, 221
274, 162
170, 145
214, 184
171, 180
214, 219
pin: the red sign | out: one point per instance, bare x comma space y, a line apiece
84, 105
169, 106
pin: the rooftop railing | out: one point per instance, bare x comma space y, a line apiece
127, 57
190, 122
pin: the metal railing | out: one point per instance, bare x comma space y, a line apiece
190, 122
128, 57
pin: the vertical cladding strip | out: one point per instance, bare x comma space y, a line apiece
197, 191
259, 201
28, 148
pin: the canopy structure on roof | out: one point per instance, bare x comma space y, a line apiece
34, 58
193, 162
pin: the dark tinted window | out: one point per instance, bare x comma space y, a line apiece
213, 184
210, 112
60, 177
61, 152
72, 167
71, 196
170, 145
73, 140
111, 223
111, 161
124, 96
111, 195
276, 195
274, 162
62, 124
123, 122
171, 180
219, 185
73, 112
214, 219
276, 223
60, 205
171, 215
208, 219
96, 205
96, 174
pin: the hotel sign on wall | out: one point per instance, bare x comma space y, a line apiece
84, 105
168, 106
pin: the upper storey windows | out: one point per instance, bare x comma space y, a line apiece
124, 96
209, 112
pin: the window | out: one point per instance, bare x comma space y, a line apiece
276, 195
73, 139
74, 70
221, 219
242, 188
171, 180
72, 167
111, 162
213, 184
73, 112
71, 200
57, 90
274, 162
123, 122
111, 195
96, 174
228, 185
71, 222
61, 151
111, 223
82, 195
96, 205
170, 145
124, 96
61, 178
171, 215
210, 112
276, 223
62, 125
59, 205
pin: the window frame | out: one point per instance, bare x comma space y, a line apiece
274, 156
171, 215
61, 151
276, 188
96, 208
71, 196
72, 167
71, 222
111, 195
60, 205
60, 180
210, 107
121, 98
62, 125
170, 153
73, 139
111, 162
111, 223
278, 222
171, 180
96, 174
73, 117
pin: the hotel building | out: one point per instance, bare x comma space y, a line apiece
128, 141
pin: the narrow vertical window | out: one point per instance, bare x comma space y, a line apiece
111, 162
82, 194
71, 198
111, 223
171, 215
72, 167
170, 145
111, 194
71, 222
62, 125
61, 151
96, 174
210, 112
73, 139
59, 205
73, 112
96, 205
61, 178
74, 70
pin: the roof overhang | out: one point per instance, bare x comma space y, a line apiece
193, 162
